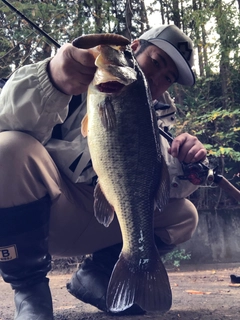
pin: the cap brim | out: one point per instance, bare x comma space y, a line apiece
186, 75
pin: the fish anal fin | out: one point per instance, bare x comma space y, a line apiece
84, 126
107, 114
103, 210
146, 285
163, 192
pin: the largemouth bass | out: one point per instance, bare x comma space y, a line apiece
123, 140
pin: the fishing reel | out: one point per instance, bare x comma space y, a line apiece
198, 173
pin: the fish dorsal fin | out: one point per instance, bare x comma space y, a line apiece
84, 126
107, 114
103, 210
163, 192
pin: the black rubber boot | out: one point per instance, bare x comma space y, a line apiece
24, 258
89, 284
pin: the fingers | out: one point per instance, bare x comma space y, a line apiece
72, 69
187, 148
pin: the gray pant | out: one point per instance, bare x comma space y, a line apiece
28, 173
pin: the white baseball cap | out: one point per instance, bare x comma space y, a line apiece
178, 46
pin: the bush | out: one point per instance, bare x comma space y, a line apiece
174, 258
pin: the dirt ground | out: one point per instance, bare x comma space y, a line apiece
199, 292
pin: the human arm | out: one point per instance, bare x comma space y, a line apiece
184, 148
31, 102
187, 149
178, 188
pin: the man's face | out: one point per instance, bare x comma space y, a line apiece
159, 69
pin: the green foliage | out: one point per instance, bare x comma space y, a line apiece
175, 257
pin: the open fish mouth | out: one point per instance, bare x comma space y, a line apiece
110, 87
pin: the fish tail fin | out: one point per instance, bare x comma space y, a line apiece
145, 284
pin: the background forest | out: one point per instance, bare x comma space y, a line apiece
209, 110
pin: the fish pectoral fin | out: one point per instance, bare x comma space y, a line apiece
163, 193
107, 114
84, 126
103, 210
144, 283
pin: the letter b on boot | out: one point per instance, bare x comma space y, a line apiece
8, 253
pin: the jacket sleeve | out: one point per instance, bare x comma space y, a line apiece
178, 188
30, 103
166, 119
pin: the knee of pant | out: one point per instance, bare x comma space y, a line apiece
179, 223
15, 149
191, 215
188, 224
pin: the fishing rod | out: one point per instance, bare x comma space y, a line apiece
47, 36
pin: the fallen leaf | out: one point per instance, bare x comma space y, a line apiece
197, 292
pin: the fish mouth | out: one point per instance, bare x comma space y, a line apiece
110, 87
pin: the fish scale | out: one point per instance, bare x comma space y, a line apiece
125, 150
